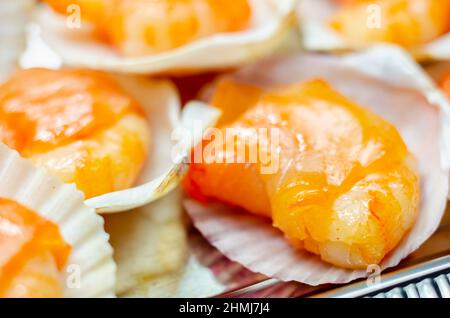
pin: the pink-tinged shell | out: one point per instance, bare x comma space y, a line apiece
388, 82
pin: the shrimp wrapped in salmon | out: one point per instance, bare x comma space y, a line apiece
78, 124
33, 253
344, 184
405, 22
141, 27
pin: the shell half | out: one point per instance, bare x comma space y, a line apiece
90, 270
271, 20
165, 166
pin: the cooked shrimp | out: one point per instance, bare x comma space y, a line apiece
140, 27
345, 187
33, 253
80, 125
404, 22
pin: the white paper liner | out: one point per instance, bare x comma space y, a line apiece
318, 36
271, 20
160, 101
80, 226
389, 83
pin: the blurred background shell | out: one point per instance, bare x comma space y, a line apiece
14, 16
271, 22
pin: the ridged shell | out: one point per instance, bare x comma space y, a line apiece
391, 84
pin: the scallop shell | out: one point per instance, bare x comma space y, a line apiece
90, 270
160, 101
389, 82
163, 169
317, 36
271, 20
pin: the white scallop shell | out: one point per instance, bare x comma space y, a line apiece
271, 20
90, 270
318, 36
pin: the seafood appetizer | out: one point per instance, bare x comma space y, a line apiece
404, 22
143, 27
52, 245
420, 26
149, 243
110, 135
164, 36
33, 253
80, 125
299, 182
345, 187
